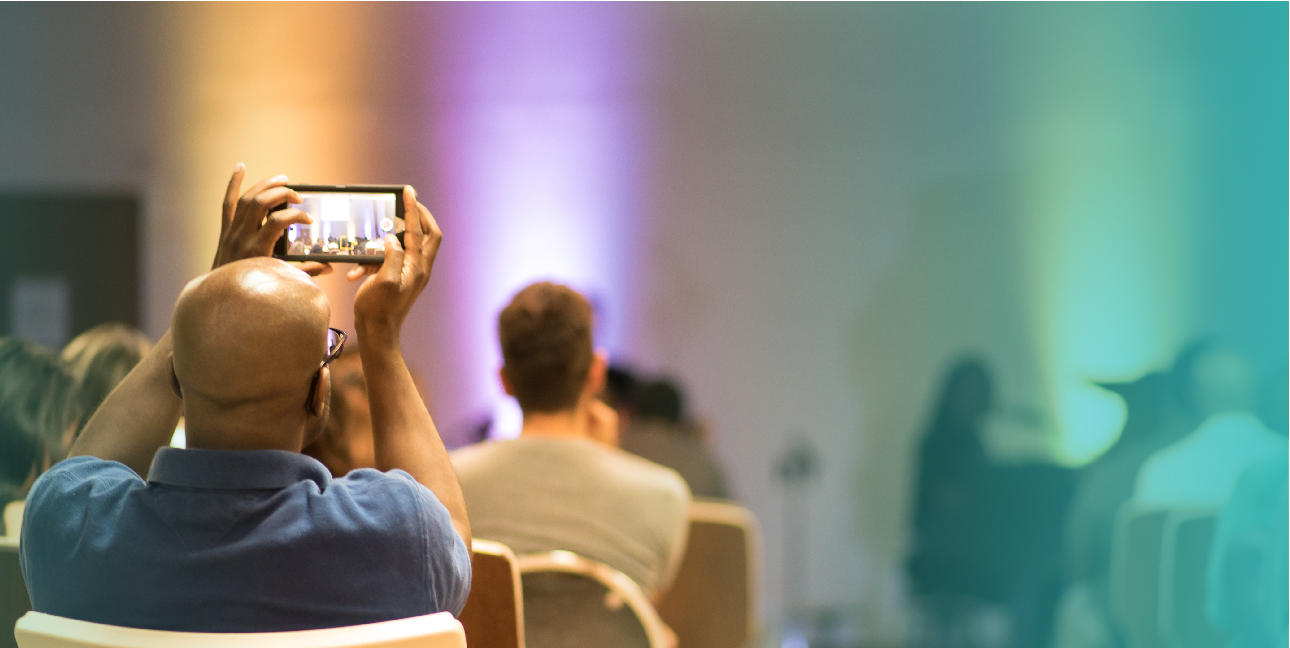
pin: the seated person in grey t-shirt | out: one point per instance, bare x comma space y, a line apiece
240, 532
562, 484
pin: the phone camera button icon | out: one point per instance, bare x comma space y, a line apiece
387, 225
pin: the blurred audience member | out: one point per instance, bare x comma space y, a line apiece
1159, 410
621, 392
561, 484
663, 435
1247, 572
1104, 485
346, 443
1200, 469
100, 358
39, 408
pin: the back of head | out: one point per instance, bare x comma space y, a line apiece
661, 400
249, 338
545, 335
38, 407
101, 357
621, 388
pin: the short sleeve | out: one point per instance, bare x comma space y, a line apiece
76, 494
445, 559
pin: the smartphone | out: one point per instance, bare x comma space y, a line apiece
350, 223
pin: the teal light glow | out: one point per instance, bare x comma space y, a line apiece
1104, 216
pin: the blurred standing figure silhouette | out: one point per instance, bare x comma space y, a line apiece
949, 565
986, 557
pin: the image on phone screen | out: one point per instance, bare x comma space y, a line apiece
348, 226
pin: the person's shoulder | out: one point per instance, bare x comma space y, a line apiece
92, 472
480, 457
370, 481
645, 473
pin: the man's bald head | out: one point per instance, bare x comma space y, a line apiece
249, 332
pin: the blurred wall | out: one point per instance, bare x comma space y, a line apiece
803, 212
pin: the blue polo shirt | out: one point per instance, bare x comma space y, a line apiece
238, 541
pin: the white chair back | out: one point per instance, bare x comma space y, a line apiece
36, 630
621, 590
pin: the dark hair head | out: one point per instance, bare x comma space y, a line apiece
621, 388
661, 400
101, 357
38, 404
545, 334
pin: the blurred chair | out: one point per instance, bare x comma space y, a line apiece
572, 601
494, 612
1184, 557
1135, 574
713, 600
13, 590
36, 630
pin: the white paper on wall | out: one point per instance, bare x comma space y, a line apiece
40, 309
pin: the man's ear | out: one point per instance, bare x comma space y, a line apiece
174, 378
318, 399
596, 373
506, 382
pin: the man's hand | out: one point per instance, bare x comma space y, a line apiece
602, 423
249, 229
383, 301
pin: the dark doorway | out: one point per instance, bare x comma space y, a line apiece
69, 263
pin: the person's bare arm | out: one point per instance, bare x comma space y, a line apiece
139, 416
405, 436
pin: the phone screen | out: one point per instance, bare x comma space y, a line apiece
347, 227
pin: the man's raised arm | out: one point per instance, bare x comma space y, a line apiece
405, 436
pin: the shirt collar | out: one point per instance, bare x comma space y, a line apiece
235, 469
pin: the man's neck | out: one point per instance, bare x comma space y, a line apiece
564, 424
209, 431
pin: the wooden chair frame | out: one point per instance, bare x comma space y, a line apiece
618, 584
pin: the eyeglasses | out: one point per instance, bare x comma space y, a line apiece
335, 344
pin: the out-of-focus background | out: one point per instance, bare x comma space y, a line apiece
805, 214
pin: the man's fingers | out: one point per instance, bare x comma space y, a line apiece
412, 222
268, 199
249, 198
277, 222
314, 268
392, 269
230, 194
362, 270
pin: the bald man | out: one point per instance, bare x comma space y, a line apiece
241, 532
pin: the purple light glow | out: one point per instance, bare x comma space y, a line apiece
537, 147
